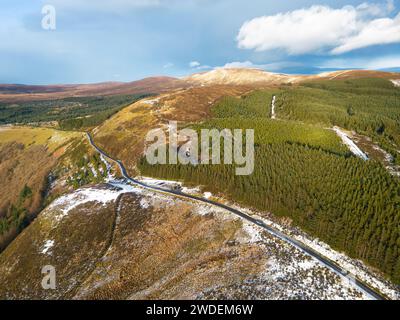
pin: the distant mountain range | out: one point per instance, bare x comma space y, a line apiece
160, 84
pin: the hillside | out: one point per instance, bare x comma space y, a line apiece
326, 191
123, 134
239, 77
109, 239
220, 76
261, 78
133, 244
27, 156
21, 93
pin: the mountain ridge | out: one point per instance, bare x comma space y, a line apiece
160, 84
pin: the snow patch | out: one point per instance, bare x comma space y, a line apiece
207, 195
396, 83
354, 266
47, 246
273, 115
157, 182
66, 203
151, 102
253, 232
350, 143
144, 203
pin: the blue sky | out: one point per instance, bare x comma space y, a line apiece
125, 40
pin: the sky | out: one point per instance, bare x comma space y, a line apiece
86, 41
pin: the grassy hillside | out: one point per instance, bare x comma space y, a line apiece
37, 165
27, 155
303, 172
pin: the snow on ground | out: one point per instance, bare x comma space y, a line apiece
296, 275
104, 195
92, 168
352, 146
151, 102
207, 195
144, 203
47, 246
108, 168
388, 161
354, 266
253, 232
61, 207
68, 202
157, 182
396, 82
388, 157
273, 115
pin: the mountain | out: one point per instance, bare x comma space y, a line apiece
222, 76
257, 77
20, 93
109, 238
240, 76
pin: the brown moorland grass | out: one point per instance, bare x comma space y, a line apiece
27, 155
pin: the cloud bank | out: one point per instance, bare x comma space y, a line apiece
322, 29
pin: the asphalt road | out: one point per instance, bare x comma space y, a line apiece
372, 292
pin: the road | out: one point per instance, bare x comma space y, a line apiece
372, 292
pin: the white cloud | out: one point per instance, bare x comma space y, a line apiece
205, 67
379, 31
275, 66
194, 64
238, 64
321, 28
385, 62
198, 66
168, 65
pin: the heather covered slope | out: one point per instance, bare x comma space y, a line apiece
118, 242
123, 135
37, 165
20, 93
27, 156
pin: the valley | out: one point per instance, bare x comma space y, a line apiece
324, 186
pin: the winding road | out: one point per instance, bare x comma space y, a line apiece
372, 292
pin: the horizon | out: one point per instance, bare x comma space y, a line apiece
390, 70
